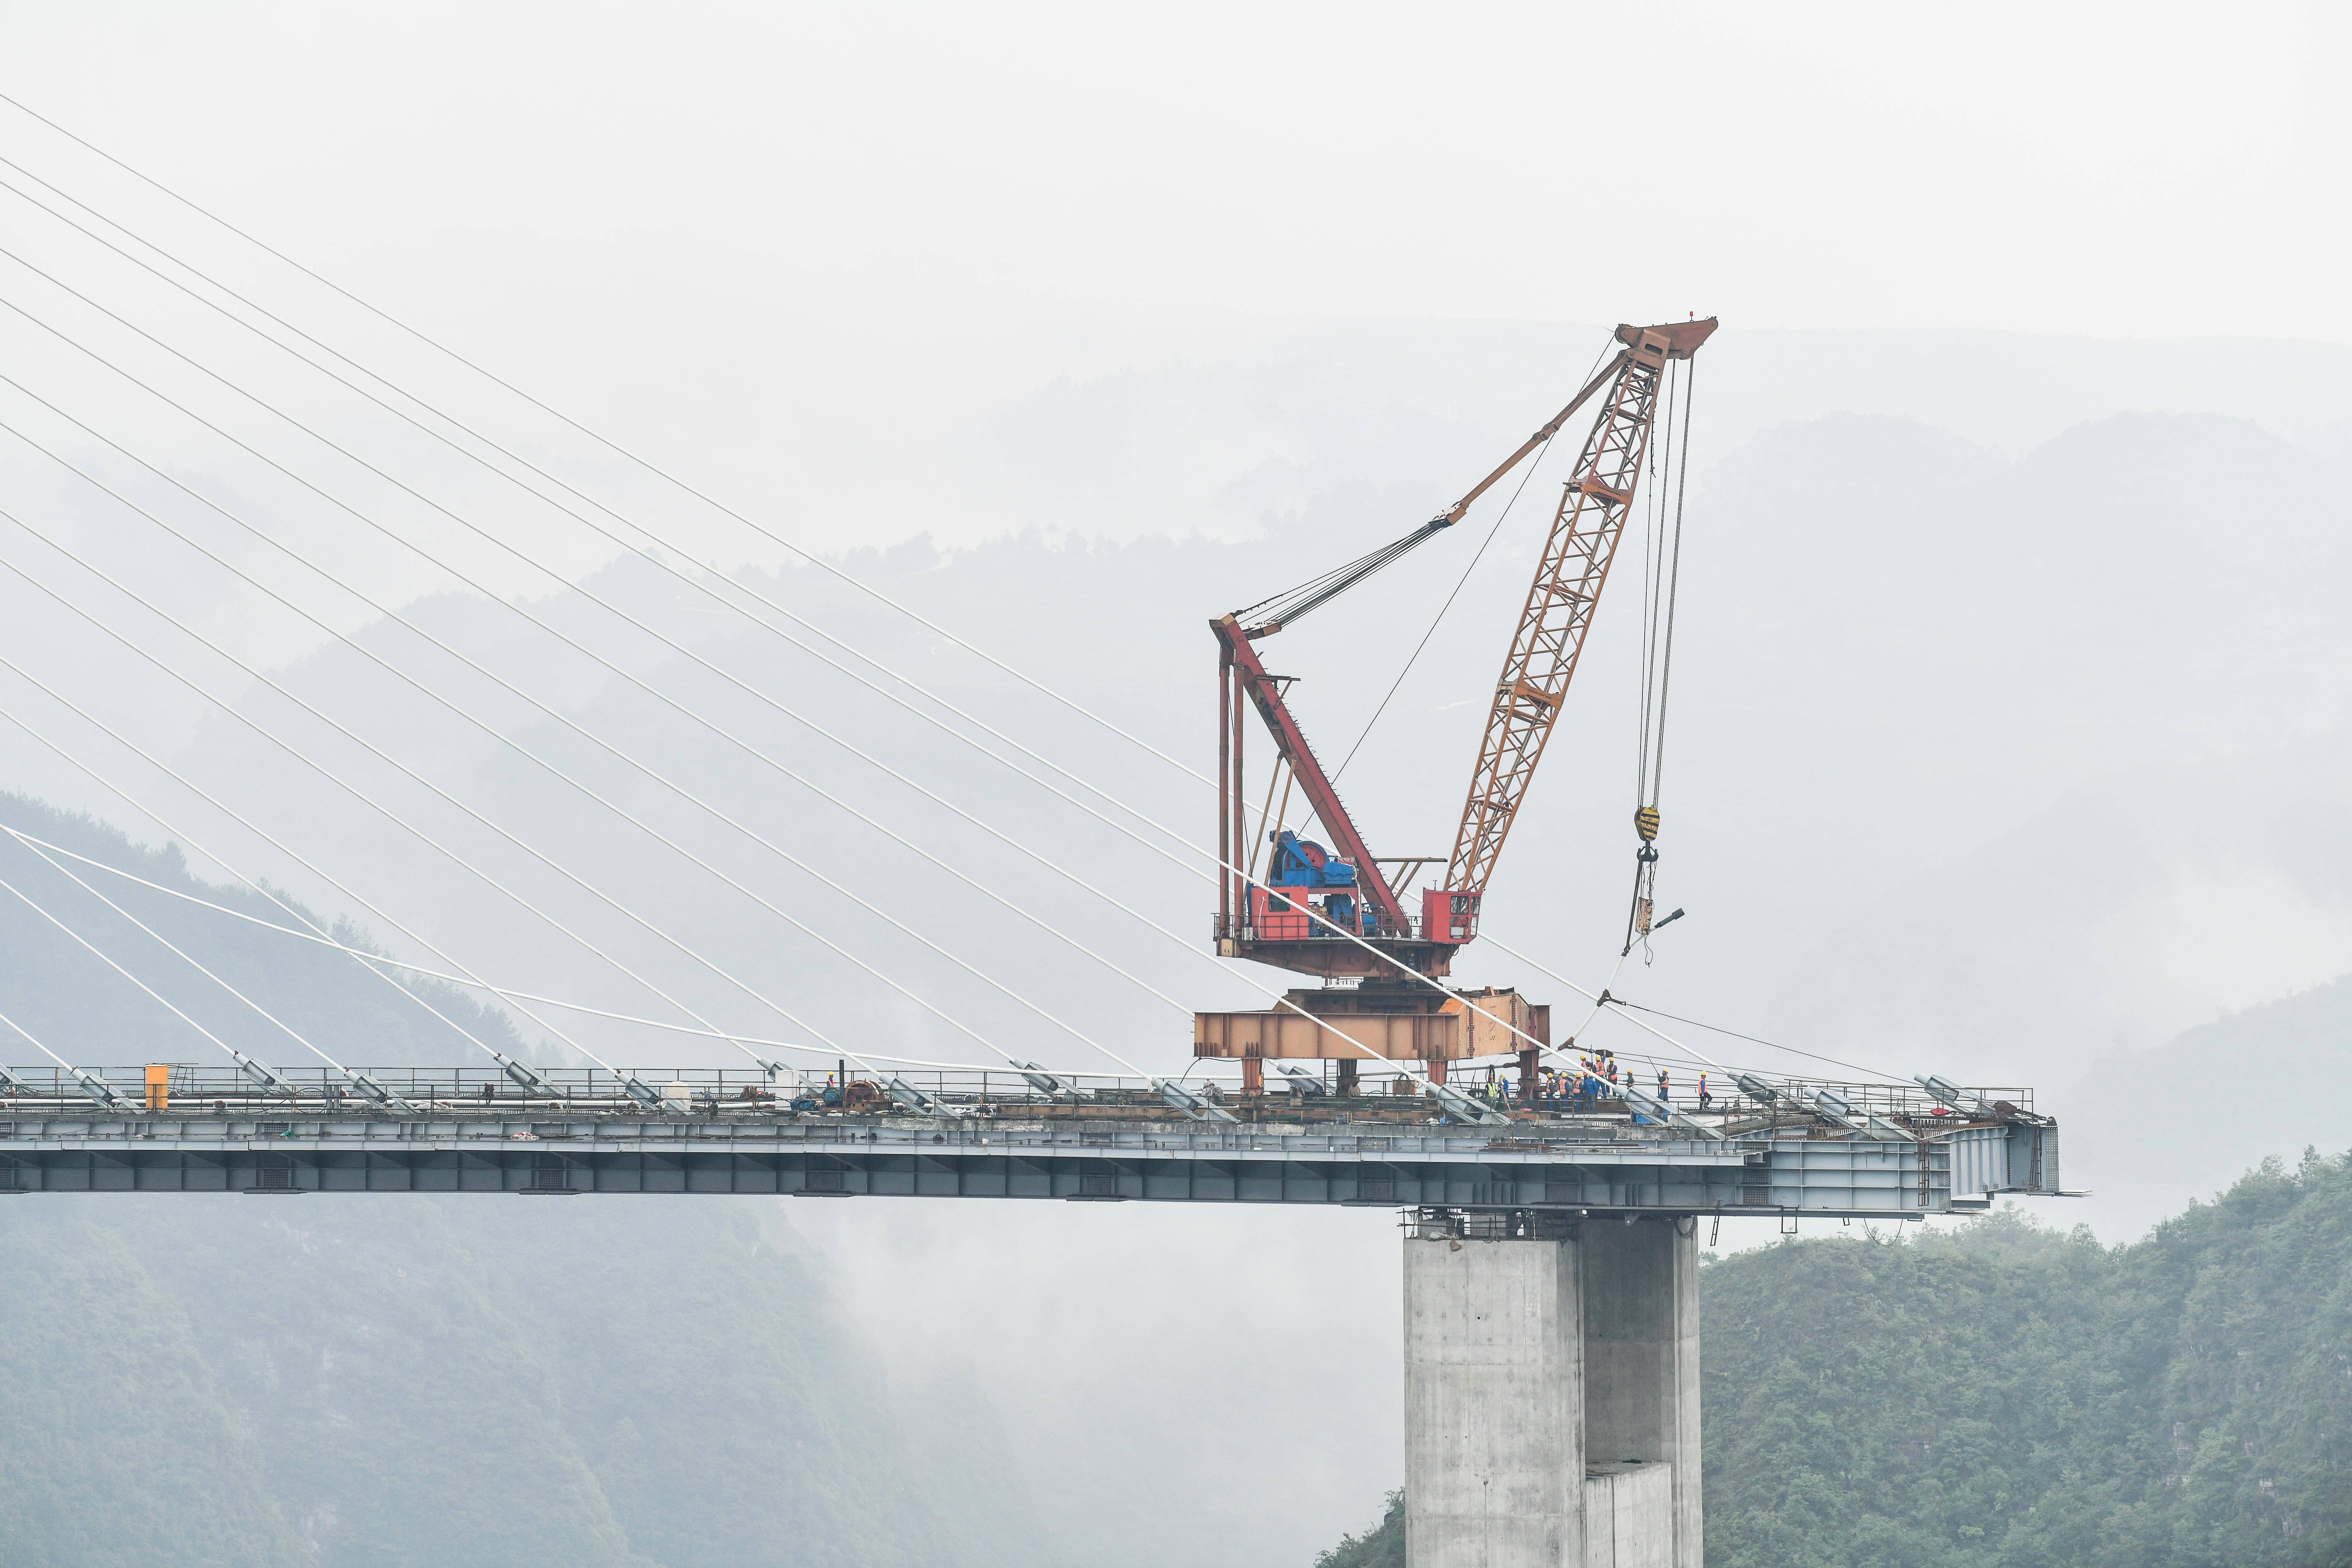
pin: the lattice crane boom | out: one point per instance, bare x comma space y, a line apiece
1570, 576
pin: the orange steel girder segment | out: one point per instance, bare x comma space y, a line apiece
1567, 588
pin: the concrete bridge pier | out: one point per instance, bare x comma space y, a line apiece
1551, 1392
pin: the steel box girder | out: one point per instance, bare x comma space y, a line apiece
1855, 1177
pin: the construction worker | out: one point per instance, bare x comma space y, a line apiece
1662, 1086
1704, 1099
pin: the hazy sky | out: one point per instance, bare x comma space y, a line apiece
2145, 169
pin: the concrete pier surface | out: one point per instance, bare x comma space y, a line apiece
1552, 1390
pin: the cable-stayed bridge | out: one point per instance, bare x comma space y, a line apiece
1552, 1198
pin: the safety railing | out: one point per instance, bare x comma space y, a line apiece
844, 1088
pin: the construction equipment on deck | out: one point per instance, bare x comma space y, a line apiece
1335, 912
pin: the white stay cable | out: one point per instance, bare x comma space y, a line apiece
425, 971
816, 560
35, 1041
683, 486
688, 653
655, 557
367, 958
505, 739
288, 1030
1402, 967
569, 723
697, 582
317, 934
473, 978
97, 1089
563, 583
255, 883
419, 834
373, 1089
697, 659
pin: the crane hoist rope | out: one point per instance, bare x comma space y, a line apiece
1662, 568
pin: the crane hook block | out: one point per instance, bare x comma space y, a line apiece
1645, 823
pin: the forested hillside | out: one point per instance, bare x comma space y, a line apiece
349, 1382
2008, 1396
358, 1383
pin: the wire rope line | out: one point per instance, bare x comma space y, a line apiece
366, 957
610, 444
654, 556
697, 582
97, 1088
624, 969
1459, 583
689, 654
941, 631
1661, 581
647, 630
624, 756
1652, 556
384, 610
1679, 1045
258, 885
1292, 603
183, 956
505, 739
429, 785
35, 1040
1674, 586
1754, 1040
369, 1085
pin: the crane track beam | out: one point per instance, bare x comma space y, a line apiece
1590, 519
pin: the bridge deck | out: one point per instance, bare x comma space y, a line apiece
1330, 1152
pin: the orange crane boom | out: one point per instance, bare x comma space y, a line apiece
1569, 578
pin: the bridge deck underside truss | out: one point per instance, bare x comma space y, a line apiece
1844, 1176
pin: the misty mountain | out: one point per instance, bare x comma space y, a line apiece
2161, 1128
